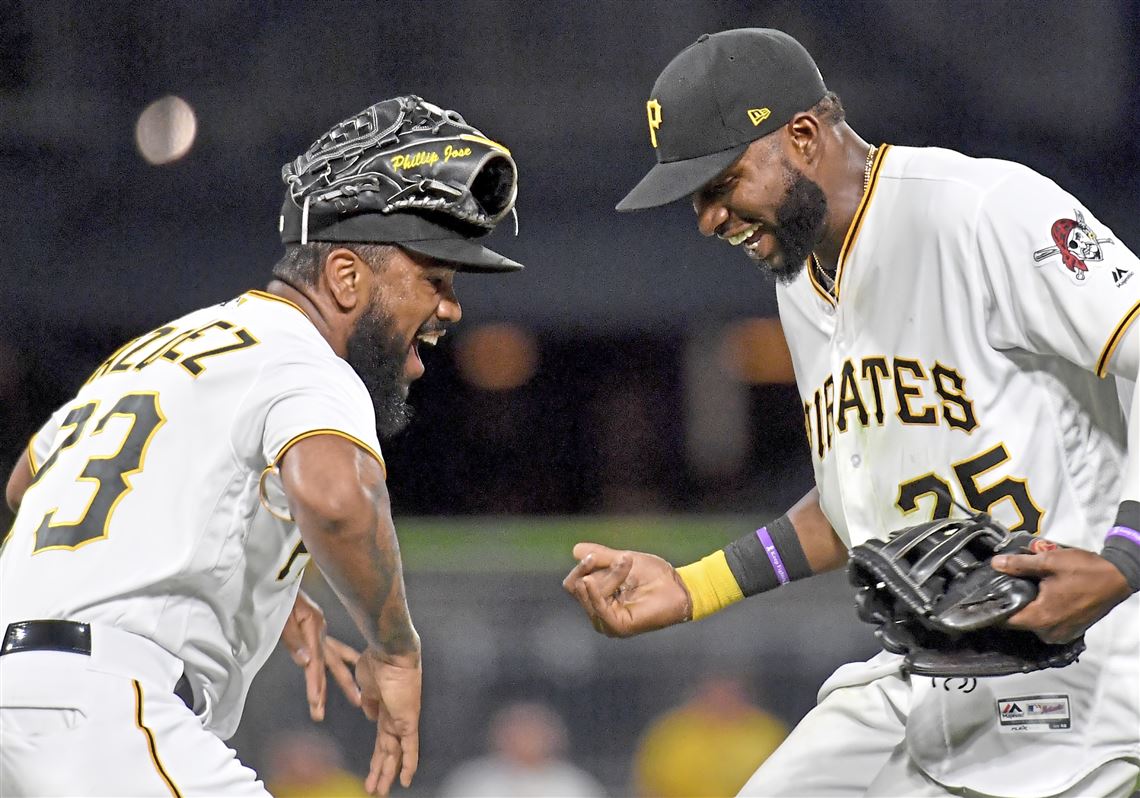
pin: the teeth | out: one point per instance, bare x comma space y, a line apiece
431, 338
742, 236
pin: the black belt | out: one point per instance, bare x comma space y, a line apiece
70, 637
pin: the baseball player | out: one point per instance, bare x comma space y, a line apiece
960, 329
166, 513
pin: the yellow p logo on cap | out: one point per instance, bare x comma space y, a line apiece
653, 109
758, 115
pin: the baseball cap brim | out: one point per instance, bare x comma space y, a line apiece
434, 235
467, 255
669, 182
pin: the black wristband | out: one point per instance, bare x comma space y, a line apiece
1122, 546
1128, 515
757, 568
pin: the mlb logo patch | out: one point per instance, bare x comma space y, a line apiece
1034, 713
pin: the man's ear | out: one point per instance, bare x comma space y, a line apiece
804, 138
344, 273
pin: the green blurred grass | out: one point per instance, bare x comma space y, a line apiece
543, 544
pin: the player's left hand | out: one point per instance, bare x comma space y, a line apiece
392, 687
1077, 588
305, 639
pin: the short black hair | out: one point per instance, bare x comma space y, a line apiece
302, 263
829, 109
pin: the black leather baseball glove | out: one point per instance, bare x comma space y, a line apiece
406, 154
936, 600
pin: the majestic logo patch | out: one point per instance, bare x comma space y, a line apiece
653, 111
1034, 713
1078, 246
758, 115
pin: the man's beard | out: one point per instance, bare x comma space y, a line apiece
377, 353
799, 225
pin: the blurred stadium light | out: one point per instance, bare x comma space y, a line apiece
497, 357
166, 130
754, 351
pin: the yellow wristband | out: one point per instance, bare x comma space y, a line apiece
711, 584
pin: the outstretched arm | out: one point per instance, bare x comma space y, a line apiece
625, 593
338, 497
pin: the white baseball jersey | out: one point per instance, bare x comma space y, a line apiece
156, 506
980, 339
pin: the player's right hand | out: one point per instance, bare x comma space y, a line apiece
390, 688
1075, 589
627, 592
314, 651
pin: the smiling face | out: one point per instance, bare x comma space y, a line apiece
765, 204
411, 301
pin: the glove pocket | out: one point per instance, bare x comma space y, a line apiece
980, 598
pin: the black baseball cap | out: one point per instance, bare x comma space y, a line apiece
715, 98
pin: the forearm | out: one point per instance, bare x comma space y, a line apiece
824, 549
797, 545
339, 500
361, 560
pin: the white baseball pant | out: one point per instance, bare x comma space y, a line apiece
108, 724
852, 744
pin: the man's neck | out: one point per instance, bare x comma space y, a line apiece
309, 302
843, 184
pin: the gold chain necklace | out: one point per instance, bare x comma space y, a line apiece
867, 167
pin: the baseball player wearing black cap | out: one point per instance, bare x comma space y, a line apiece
959, 328
166, 513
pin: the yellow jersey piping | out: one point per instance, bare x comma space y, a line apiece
273, 297
298, 438
150, 741
32, 456
860, 215
261, 493
1114, 340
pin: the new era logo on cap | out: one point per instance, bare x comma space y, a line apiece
758, 115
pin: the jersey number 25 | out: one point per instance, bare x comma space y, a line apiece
967, 474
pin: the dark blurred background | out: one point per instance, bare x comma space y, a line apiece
633, 371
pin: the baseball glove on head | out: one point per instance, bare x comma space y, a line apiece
936, 600
405, 154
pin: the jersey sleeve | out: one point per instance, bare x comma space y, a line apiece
41, 443
299, 399
1061, 282
1064, 284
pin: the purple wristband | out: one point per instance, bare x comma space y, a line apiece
1120, 531
774, 555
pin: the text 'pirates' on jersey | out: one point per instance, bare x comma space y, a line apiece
960, 355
